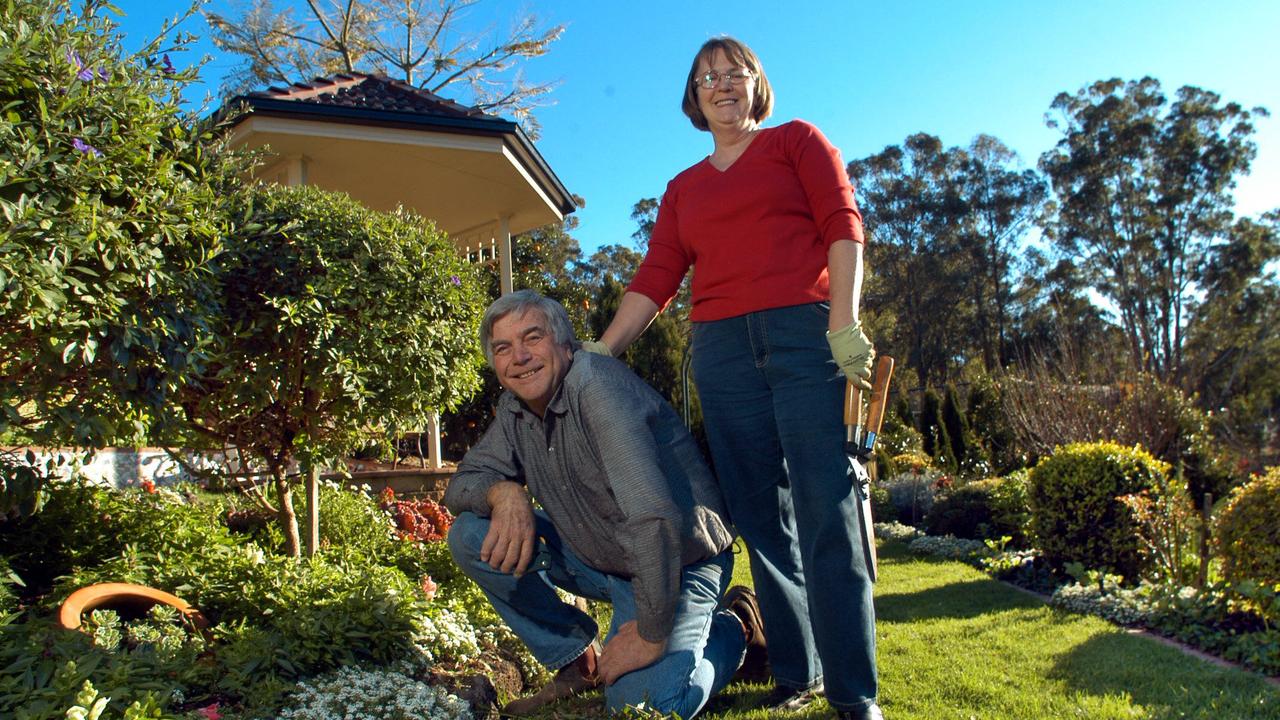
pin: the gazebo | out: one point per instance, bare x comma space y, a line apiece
387, 144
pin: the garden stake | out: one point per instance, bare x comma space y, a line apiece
861, 445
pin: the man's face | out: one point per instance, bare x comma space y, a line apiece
527, 359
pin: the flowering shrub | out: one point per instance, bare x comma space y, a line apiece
355, 694
912, 492
947, 546
1123, 606
896, 531
419, 519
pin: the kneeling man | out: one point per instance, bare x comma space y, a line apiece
628, 514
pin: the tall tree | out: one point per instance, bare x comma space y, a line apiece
426, 43
1144, 192
1232, 346
1003, 204
911, 201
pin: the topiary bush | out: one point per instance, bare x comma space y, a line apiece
1076, 516
1247, 532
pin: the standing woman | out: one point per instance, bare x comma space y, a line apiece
769, 225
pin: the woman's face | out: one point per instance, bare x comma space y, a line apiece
728, 104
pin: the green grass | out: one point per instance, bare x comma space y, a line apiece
955, 644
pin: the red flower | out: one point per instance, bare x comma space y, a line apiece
387, 495
149, 486
210, 712
429, 587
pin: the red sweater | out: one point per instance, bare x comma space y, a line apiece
756, 234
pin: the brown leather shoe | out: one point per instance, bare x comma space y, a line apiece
741, 601
575, 678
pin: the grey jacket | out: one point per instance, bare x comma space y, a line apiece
617, 472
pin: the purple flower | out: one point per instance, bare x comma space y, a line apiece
168, 68
85, 74
455, 280
86, 148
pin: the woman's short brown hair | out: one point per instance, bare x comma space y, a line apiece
738, 52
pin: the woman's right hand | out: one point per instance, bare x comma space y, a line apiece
635, 312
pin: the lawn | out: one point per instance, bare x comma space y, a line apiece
956, 644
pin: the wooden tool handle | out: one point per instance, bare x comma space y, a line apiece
879, 394
852, 404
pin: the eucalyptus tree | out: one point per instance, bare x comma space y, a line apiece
1144, 193
1003, 204
431, 44
913, 209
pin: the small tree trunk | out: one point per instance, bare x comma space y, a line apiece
287, 518
1206, 551
313, 511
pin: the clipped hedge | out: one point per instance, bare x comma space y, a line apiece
1248, 534
1075, 515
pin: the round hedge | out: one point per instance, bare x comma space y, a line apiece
1075, 515
1247, 532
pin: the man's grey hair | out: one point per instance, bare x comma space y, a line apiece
520, 302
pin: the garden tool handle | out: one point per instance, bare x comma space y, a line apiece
879, 398
852, 412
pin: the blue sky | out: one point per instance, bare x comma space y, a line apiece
868, 74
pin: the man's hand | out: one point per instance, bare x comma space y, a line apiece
627, 651
512, 538
852, 351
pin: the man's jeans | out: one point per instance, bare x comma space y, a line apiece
773, 404
703, 651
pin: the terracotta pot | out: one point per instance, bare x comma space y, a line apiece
126, 598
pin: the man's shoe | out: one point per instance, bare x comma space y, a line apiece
741, 601
575, 678
870, 712
789, 699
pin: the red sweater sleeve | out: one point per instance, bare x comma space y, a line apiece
826, 184
668, 259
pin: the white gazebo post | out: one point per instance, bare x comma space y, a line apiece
433, 442
504, 254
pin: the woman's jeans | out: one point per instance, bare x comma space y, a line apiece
704, 649
772, 400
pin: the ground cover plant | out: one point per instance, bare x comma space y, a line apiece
374, 600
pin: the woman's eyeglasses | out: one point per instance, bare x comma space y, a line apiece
711, 79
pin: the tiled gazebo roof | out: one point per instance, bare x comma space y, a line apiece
369, 92
388, 144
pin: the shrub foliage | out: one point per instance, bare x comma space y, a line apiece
1248, 534
1076, 513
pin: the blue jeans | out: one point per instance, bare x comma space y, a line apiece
772, 400
704, 649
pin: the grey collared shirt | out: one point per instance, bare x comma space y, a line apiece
617, 472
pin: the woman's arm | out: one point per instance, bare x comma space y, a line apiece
635, 312
844, 272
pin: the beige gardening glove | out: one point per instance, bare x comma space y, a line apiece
853, 353
597, 347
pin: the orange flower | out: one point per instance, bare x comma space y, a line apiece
149, 486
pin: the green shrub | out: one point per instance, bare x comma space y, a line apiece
1076, 515
113, 200
965, 512
1248, 534
991, 427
